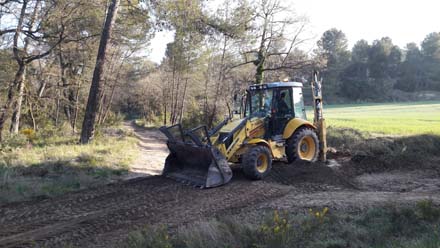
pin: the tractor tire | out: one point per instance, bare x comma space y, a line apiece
257, 162
303, 145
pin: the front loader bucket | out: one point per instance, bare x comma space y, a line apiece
194, 160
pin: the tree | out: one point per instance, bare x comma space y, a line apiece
412, 74
384, 57
431, 46
333, 46
373, 70
93, 102
360, 52
334, 56
431, 58
276, 34
232, 20
29, 12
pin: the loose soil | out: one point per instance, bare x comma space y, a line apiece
102, 217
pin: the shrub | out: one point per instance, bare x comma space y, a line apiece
277, 231
427, 211
227, 232
29, 133
13, 141
386, 226
149, 238
114, 119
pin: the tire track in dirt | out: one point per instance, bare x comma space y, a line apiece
150, 201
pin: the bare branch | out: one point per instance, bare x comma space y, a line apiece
2, 32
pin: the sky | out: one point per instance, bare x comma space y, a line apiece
403, 21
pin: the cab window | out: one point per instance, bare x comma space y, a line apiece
283, 104
259, 102
298, 103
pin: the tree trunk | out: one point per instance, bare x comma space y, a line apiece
172, 90
182, 106
219, 85
109, 104
176, 100
15, 122
10, 99
31, 115
57, 104
164, 106
76, 110
93, 102
18, 75
66, 89
261, 56
205, 104
106, 109
259, 75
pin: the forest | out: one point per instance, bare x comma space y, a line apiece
49, 55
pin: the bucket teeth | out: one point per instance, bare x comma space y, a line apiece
186, 182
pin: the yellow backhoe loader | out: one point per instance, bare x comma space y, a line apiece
273, 126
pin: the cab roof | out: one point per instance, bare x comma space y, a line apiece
275, 85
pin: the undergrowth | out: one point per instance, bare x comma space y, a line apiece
389, 226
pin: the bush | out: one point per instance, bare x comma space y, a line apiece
114, 119
13, 141
427, 211
216, 234
29, 133
386, 226
277, 231
149, 238
372, 154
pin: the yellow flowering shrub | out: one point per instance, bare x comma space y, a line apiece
277, 230
29, 133
319, 215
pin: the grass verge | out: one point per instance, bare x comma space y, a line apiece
372, 154
389, 226
52, 163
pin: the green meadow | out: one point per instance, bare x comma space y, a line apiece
411, 118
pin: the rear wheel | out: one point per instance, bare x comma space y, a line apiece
257, 162
303, 145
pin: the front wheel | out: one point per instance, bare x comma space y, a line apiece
303, 145
257, 162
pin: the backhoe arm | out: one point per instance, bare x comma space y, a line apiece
318, 119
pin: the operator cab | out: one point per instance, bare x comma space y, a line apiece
277, 102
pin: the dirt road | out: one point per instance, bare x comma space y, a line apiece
153, 151
104, 216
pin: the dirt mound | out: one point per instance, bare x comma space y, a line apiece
316, 176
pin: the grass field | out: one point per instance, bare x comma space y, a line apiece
387, 118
